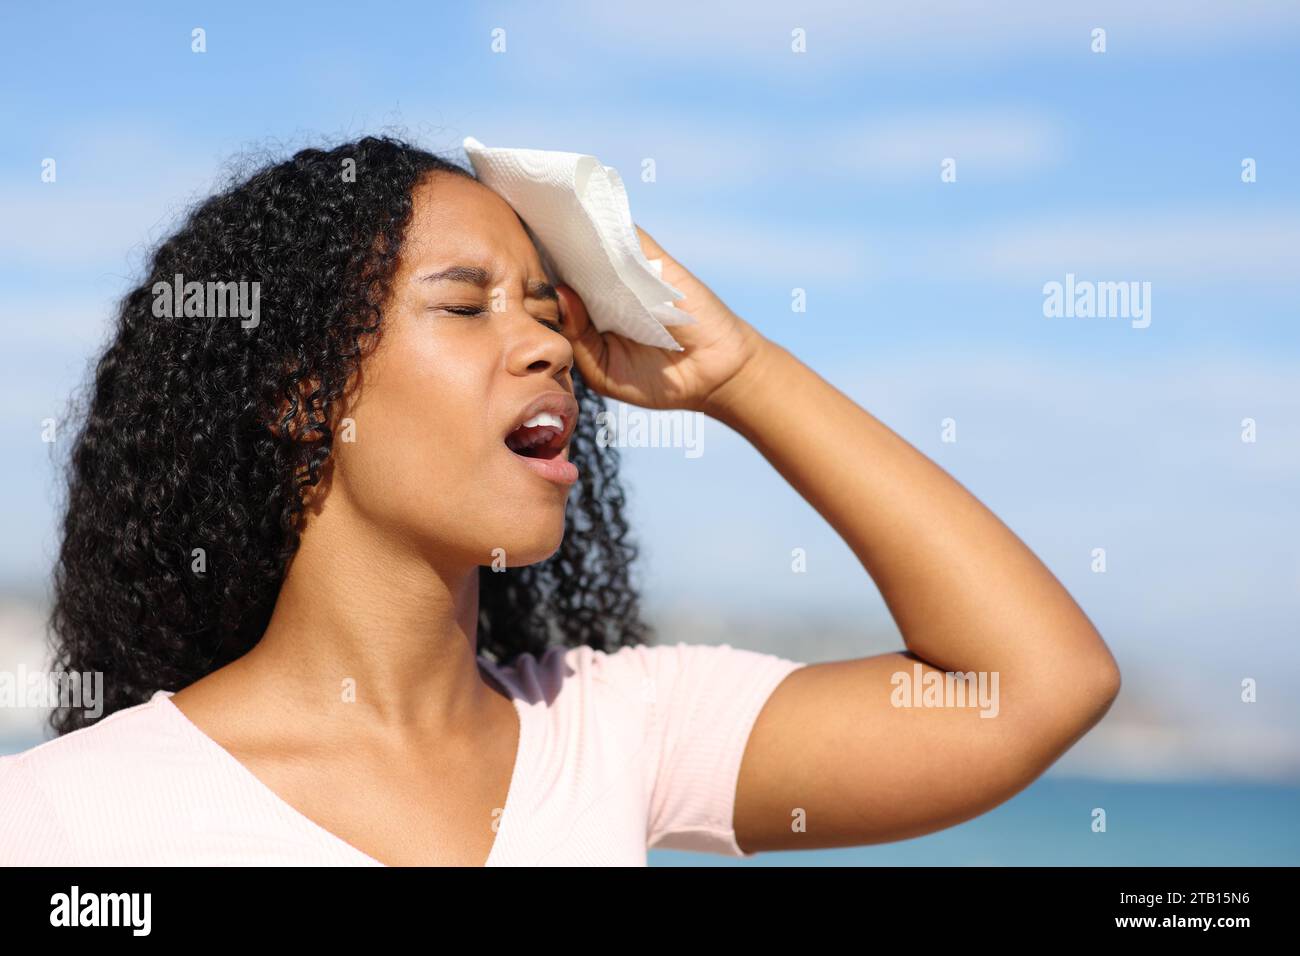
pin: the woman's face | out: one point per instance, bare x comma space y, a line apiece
469, 342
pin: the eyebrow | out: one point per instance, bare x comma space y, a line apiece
475, 275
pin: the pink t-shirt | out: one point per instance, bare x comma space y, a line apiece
618, 752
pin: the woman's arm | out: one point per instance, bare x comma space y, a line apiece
832, 746
966, 594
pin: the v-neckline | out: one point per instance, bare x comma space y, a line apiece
521, 755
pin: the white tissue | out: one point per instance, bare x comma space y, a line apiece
576, 211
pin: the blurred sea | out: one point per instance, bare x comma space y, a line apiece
1050, 824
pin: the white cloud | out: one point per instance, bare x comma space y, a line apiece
713, 246
860, 36
56, 327
1127, 243
728, 152
117, 191
1202, 244
990, 143
1141, 456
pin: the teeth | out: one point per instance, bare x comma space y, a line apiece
543, 418
538, 439
538, 430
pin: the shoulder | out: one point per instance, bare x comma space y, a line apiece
649, 679
674, 719
50, 792
679, 667
109, 742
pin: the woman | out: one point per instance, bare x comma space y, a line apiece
323, 561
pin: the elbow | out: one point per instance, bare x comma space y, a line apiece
1108, 685
1076, 695
1092, 677
1097, 684
1107, 679
1081, 693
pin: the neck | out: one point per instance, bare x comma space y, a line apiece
363, 619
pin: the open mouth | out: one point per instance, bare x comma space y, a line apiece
542, 436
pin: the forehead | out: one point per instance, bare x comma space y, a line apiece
457, 218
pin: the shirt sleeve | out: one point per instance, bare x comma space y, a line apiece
704, 701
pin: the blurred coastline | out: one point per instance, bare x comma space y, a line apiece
1149, 736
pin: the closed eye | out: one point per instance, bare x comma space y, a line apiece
469, 310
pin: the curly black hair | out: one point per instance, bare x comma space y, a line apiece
184, 441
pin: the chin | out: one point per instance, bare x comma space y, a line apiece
528, 545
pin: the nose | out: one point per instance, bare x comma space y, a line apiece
536, 348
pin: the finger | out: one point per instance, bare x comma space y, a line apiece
651, 248
588, 344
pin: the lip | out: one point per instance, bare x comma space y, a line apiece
559, 469
561, 404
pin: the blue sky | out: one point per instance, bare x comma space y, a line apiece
777, 171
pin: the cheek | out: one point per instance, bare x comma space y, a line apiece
428, 459
422, 433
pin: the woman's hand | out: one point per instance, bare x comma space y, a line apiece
718, 346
